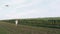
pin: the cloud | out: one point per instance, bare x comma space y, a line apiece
31, 9
13, 1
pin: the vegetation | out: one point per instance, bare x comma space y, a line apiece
38, 22
31, 26
8, 28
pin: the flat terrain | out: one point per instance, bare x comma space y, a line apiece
8, 28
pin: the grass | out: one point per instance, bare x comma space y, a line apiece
37, 22
31, 26
10, 28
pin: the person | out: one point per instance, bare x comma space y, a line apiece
16, 22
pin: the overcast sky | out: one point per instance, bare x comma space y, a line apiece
29, 8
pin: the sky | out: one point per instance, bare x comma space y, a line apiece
29, 8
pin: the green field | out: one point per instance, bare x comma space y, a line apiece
8, 28
31, 26
38, 22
